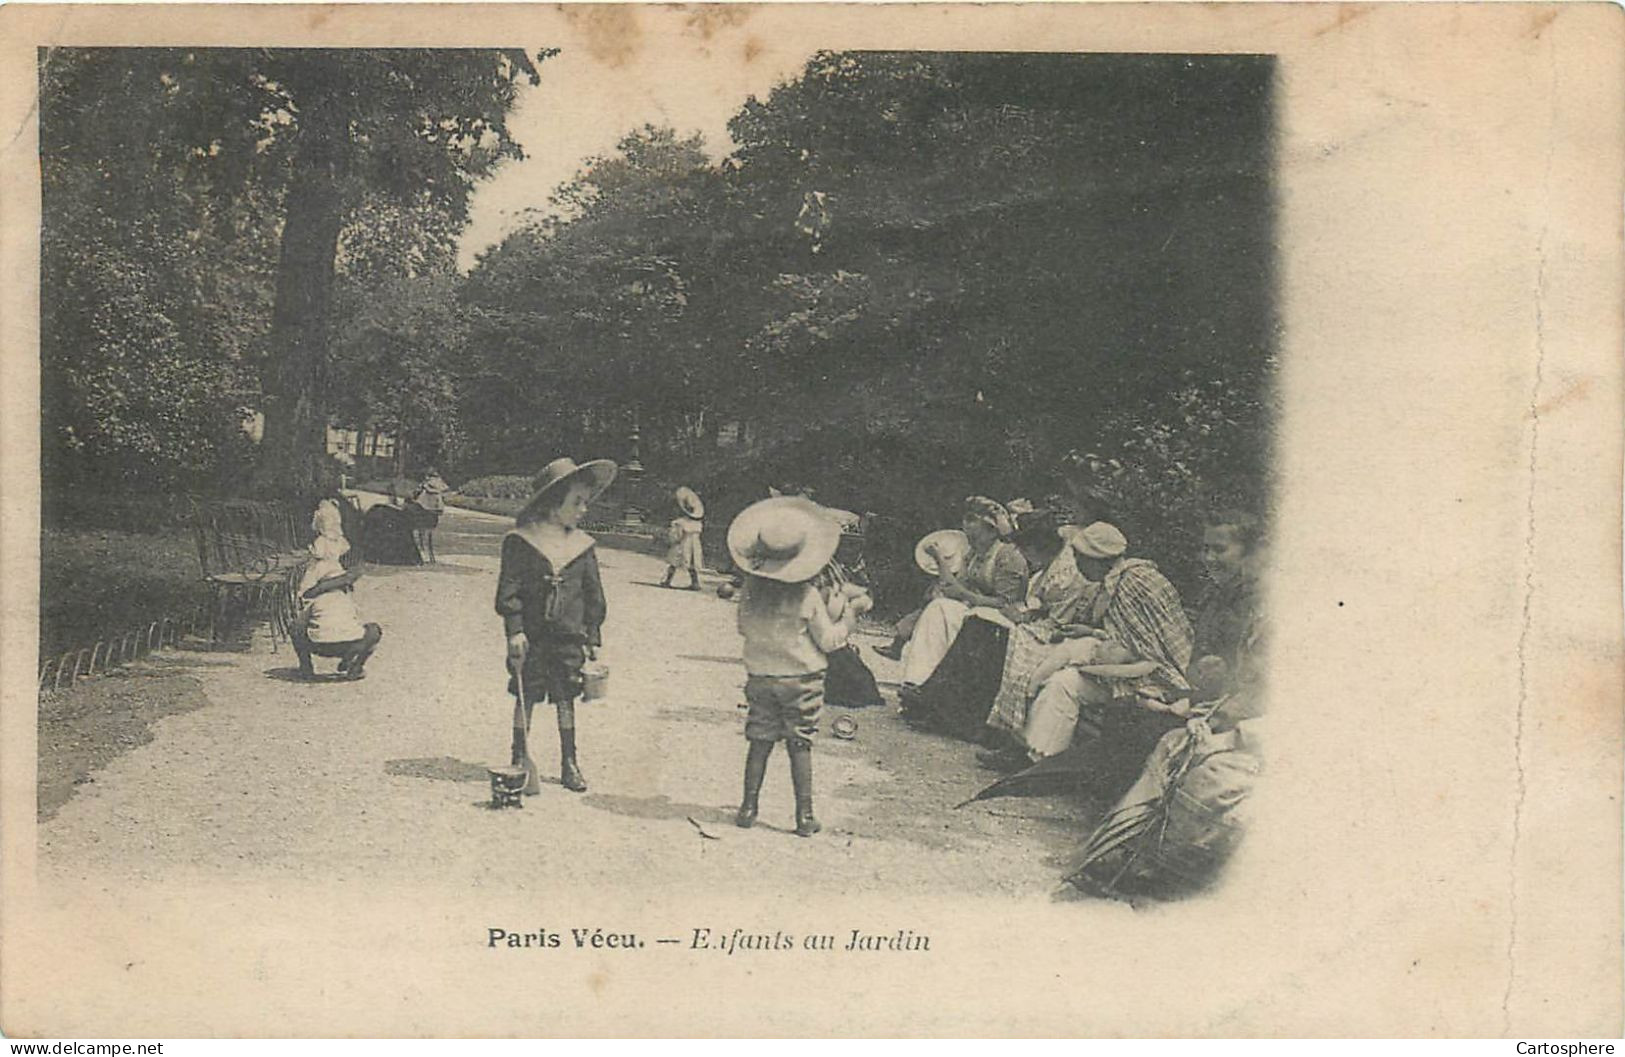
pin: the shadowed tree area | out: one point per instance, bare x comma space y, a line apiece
915, 276
208, 212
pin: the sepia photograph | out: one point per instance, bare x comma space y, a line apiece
923, 419
685, 491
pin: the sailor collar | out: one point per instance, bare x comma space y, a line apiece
559, 551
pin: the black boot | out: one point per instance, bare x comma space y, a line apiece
801, 779
755, 770
666, 580
693, 580
569, 774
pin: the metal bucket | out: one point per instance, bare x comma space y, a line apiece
507, 786
594, 681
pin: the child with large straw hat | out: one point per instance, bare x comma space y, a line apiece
551, 600
684, 536
781, 545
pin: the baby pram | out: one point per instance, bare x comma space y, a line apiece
387, 537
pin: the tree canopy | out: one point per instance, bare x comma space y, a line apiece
916, 275
912, 275
207, 193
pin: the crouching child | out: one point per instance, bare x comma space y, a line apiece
781, 545
329, 625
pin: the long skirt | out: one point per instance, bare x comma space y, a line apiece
956, 698
1022, 658
934, 633
685, 553
1106, 744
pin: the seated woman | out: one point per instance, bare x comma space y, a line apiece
387, 537
1035, 647
994, 576
903, 628
1185, 814
1120, 734
1123, 698
956, 699
1232, 558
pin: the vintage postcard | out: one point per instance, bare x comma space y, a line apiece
812, 520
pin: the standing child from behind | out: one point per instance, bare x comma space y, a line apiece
684, 536
425, 507
551, 600
781, 544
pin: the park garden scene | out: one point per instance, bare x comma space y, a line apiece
901, 279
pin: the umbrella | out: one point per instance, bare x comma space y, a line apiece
1098, 761
1053, 774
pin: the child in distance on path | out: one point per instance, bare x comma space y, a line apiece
781, 544
551, 599
684, 536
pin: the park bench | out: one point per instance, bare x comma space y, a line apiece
251, 554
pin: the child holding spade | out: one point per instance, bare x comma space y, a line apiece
551, 600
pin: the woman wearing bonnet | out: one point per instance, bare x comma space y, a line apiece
994, 576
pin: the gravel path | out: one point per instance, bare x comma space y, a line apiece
274, 777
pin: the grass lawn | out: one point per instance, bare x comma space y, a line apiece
83, 729
97, 583
487, 505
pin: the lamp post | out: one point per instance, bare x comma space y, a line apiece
634, 465
632, 471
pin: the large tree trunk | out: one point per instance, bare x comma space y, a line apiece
293, 459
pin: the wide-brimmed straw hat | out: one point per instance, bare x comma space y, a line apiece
1098, 540
563, 472
786, 538
690, 502
953, 543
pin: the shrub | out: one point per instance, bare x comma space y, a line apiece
498, 486
501, 507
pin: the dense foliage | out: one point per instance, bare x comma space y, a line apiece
916, 276
209, 214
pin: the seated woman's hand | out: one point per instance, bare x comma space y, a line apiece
1180, 708
1210, 675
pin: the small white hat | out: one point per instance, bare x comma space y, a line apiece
1099, 540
